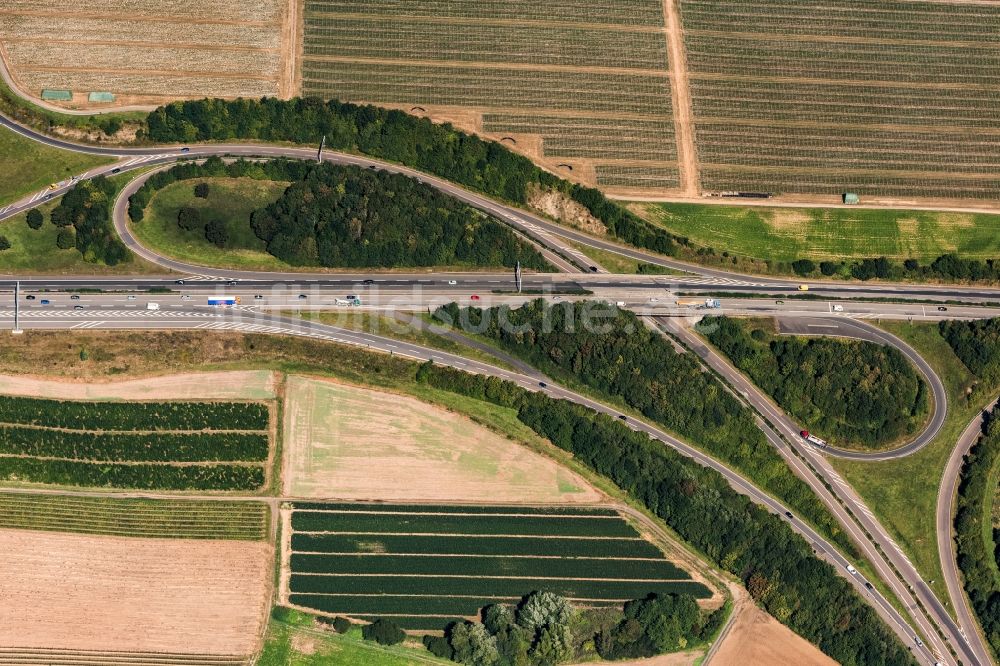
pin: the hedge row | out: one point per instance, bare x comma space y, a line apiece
141, 476
497, 586
464, 565
129, 447
401, 545
76, 415
427, 524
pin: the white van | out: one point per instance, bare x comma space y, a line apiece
152, 306
838, 308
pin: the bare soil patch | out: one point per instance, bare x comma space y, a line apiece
567, 211
352, 443
235, 385
673, 659
77, 592
757, 639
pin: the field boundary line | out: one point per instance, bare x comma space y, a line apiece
155, 18
473, 22
486, 577
166, 73
199, 46
835, 39
484, 555
462, 534
848, 83
680, 99
482, 64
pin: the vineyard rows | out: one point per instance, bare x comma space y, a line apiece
466, 545
159, 447
140, 416
226, 10
500, 564
177, 519
351, 507
419, 562
536, 45
203, 85
628, 176
429, 524
34, 28
612, 12
138, 476
508, 52
893, 98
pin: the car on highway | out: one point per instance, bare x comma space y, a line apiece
838, 308
130, 298
788, 514
74, 297
185, 149
178, 281
593, 269
623, 417
186, 297
29, 297
779, 302
257, 297
44, 301
942, 308
54, 186
474, 297
851, 570
231, 283
302, 297
803, 287
869, 585
452, 282
368, 281
543, 384
116, 170
78, 307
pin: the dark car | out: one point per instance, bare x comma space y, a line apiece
116, 170
257, 297
543, 384
868, 585
623, 417
368, 281
77, 307
302, 296
185, 150
593, 269
942, 308
232, 283
178, 281
29, 297
74, 297
44, 301
788, 514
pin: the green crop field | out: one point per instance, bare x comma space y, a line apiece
427, 565
231, 200
173, 519
885, 98
28, 166
149, 445
787, 234
588, 78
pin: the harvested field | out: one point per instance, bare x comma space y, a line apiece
887, 98
426, 565
757, 639
76, 592
588, 81
145, 50
347, 442
235, 385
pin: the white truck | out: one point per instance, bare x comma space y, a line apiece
152, 306
812, 438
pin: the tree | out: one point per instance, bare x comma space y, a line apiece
65, 239
189, 219
201, 190
217, 233
4, 243
34, 218
497, 617
383, 632
539, 609
828, 268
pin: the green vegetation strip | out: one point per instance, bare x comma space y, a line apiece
858, 394
497, 585
28, 166
154, 447
175, 519
139, 476
415, 622
501, 564
403, 605
141, 416
308, 521
484, 545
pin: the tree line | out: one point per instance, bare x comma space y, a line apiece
977, 344
395, 136
87, 210
855, 392
947, 267
613, 353
975, 538
777, 566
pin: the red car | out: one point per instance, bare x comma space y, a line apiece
474, 297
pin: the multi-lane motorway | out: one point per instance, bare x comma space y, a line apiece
642, 293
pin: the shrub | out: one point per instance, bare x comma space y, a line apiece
383, 632
828, 268
65, 239
4, 243
34, 218
341, 625
217, 233
201, 190
803, 267
189, 219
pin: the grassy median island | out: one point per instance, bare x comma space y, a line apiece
28, 166
903, 493
231, 201
853, 393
